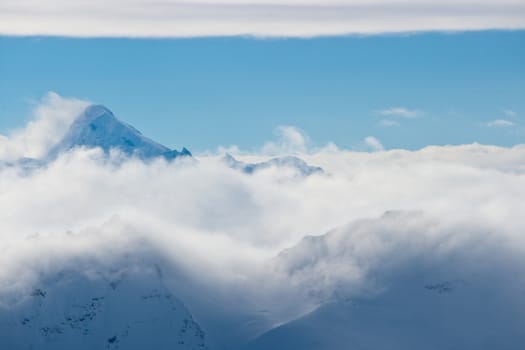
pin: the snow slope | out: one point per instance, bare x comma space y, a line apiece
98, 127
412, 315
117, 309
393, 283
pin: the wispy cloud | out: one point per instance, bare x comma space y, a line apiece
509, 113
293, 18
500, 123
400, 112
388, 122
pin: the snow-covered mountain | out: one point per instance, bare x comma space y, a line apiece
390, 283
120, 309
444, 314
98, 127
289, 162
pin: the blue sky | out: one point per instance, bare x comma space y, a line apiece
432, 88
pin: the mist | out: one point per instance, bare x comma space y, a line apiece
269, 246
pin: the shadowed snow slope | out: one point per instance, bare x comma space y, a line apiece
444, 315
121, 309
418, 289
98, 127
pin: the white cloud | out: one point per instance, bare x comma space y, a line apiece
400, 112
500, 123
290, 140
388, 122
302, 18
374, 144
510, 113
52, 117
217, 232
221, 227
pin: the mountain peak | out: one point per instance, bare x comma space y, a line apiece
98, 127
94, 111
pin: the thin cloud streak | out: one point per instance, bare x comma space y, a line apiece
400, 112
388, 122
500, 123
287, 18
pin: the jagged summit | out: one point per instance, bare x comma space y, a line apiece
95, 111
290, 162
97, 126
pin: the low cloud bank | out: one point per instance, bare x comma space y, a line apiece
239, 240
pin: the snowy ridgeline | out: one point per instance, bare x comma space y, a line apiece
122, 310
97, 127
297, 165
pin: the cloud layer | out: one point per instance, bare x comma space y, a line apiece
219, 233
292, 18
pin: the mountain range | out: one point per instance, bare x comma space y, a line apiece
97, 127
289, 162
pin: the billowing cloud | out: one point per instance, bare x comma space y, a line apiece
373, 143
221, 234
52, 117
301, 18
290, 140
